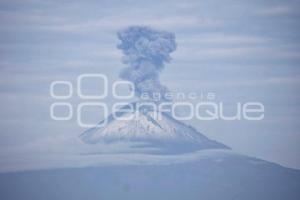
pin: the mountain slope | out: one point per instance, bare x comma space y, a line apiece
164, 134
216, 175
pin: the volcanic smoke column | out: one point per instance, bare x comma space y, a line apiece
145, 52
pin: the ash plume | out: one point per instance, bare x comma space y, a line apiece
145, 52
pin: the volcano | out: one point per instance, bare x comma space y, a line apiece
148, 131
146, 51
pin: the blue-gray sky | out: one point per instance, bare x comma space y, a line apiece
241, 50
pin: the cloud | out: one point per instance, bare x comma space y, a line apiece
276, 10
115, 23
253, 52
70, 152
36, 17
222, 39
47, 21
242, 82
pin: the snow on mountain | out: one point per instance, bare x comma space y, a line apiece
142, 125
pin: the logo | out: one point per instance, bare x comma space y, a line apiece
206, 107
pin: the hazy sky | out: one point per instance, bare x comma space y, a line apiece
240, 50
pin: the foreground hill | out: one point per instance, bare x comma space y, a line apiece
217, 175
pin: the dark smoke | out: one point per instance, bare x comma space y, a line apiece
145, 52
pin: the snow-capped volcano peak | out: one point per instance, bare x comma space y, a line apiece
154, 128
